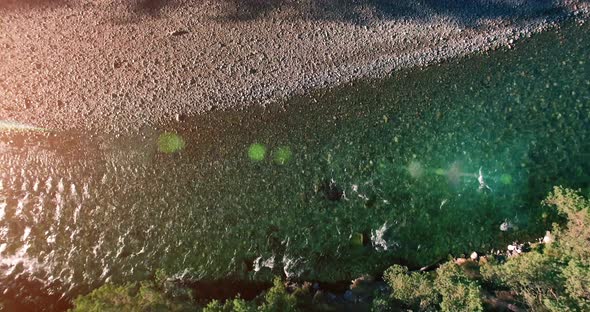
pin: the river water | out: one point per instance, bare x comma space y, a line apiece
448, 159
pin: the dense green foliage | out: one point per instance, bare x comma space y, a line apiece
552, 277
276, 299
145, 296
447, 289
414, 290
556, 277
458, 292
151, 296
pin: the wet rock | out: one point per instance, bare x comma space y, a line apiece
330, 190
349, 296
506, 226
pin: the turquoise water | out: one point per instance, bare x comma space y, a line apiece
428, 163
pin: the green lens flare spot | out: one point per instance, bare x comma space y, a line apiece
506, 179
415, 169
440, 171
356, 239
169, 143
257, 152
283, 155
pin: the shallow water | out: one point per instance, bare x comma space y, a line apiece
427, 163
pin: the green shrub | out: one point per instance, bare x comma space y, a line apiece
144, 296
235, 305
447, 289
147, 296
458, 292
414, 290
277, 299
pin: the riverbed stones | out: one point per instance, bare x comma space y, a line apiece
109, 46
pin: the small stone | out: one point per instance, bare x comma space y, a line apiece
473, 256
117, 64
505, 226
548, 238
27, 104
511, 247
179, 32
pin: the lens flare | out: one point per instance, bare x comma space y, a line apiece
506, 179
170, 143
415, 169
257, 152
282, 155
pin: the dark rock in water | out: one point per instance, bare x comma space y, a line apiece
349, 296
318, 297
332, 298
331, 190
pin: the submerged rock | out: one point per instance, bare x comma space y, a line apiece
506, 226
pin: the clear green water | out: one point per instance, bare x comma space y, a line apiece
331, 185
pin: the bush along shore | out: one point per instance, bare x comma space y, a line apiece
552, 274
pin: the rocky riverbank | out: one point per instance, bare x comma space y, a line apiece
120, 65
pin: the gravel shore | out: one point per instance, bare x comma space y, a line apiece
119, 65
